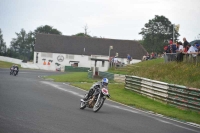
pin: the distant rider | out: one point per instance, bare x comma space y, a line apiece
12, 68
17, 69
100, 84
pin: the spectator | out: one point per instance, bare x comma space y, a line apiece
115, 61
165, 48
152, 55
144, 58
179, 52
177, 45
148, 56
193, 50
155, 55
128, 59
197, 48
171, 50
185, 44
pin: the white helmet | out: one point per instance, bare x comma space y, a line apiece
104, 81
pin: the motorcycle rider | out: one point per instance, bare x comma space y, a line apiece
15, 66
100, 84
12, 69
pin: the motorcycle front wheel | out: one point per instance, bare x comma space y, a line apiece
98, 104
82, 105
15, 73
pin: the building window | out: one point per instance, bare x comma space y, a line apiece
71, 56
47, 55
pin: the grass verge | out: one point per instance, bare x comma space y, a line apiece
4, 64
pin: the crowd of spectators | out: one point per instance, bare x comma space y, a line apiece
114, 62
176, 50
151, 56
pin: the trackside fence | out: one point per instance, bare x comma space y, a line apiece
177, 95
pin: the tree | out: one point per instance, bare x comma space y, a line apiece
82, 34
85, 34
2, 45
47, 30
157, 32
21, 47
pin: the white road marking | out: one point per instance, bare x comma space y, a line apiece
60, 88
114, 106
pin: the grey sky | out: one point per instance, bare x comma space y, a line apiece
116, 19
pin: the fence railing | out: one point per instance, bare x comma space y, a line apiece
188, 58
177, 95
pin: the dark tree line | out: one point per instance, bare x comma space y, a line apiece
2, 45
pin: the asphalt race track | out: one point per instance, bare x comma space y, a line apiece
29, 104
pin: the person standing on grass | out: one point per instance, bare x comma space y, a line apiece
179, 52
171, 50
115, 61
128, 58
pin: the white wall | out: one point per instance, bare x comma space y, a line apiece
29, 65
11, 60
124, 60
84, 61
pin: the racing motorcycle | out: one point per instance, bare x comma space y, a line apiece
13, 71
96, 100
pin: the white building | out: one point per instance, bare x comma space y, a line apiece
58, 51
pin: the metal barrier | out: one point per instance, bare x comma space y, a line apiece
187, 58
168, 57
153, 89
172, 94
184, 97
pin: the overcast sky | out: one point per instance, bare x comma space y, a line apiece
116, 19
